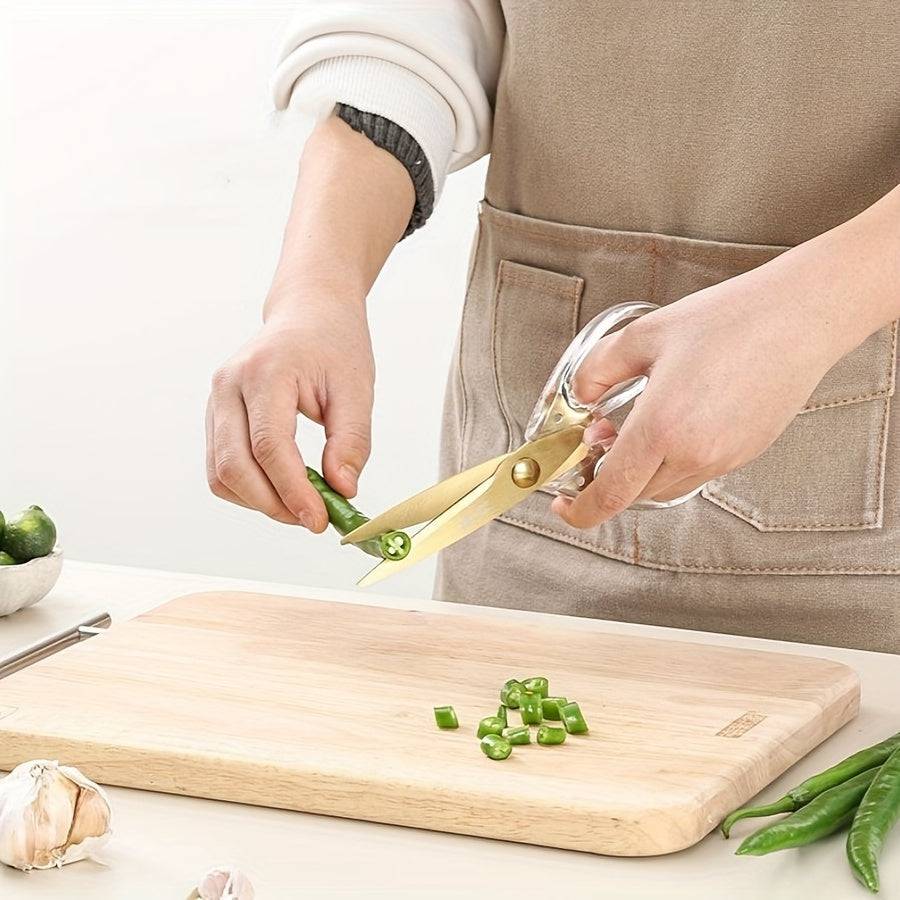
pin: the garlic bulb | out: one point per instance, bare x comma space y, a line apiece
225, 883
50, 815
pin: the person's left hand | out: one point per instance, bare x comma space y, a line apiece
729, 367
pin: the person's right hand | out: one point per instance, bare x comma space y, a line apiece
317, 361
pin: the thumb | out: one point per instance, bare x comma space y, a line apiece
348, 437
616, 358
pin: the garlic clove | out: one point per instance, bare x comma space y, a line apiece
50, 816
225, 883
92, 811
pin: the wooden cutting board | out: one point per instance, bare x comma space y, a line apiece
327, 708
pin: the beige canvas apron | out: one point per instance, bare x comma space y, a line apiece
643, 151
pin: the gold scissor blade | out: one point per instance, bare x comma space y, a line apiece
426, 504
498, 493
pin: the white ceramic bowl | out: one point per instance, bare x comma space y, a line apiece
23, 585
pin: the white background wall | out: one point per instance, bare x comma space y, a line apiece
145, 181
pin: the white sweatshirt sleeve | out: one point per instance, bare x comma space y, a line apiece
430, 66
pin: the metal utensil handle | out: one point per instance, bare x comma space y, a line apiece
53, 644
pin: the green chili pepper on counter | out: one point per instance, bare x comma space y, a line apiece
519, 734
823, 815
345, 517
539, 686
490, 725
495, 747
530, 708
510, 693
445, 717
548, 735
808, 790
878, 811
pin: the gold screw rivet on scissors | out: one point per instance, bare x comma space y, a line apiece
525, 473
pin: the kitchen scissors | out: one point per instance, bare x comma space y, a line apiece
553, 458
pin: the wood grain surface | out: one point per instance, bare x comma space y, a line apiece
326, 708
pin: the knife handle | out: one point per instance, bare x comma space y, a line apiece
53, 644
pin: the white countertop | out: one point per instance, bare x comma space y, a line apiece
163, 843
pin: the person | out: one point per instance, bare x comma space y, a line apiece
736, 164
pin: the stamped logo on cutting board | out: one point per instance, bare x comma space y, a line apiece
741, 725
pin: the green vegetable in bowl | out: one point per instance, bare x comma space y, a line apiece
30, 535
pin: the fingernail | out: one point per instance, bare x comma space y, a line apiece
600, 434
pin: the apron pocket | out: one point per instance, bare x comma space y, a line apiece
535, 317
826, 471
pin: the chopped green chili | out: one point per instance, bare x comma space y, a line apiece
345, 517
530, 708
547, 735
445, 716
573, 719
501, 714
490, 725
519, 734
538, 686
551, 706
510, 693
495, 747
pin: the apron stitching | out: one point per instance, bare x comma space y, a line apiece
730, 504
876, 395
462, 331
692, 567
495, 306
636, 237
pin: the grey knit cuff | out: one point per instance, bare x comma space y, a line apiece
391, 137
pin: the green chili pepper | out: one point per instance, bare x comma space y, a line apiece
869, 758
501, 714
539, 686
445, 717
878, 811
551, 706
490, 725
519, 734
510, 693
823, 815
495, 747
573, 719
345, 517
549, 735
530, 708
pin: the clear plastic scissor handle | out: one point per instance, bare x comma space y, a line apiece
558, 408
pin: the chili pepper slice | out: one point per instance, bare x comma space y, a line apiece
445, 717
501, 714
573, 719
869, 758
490, 725
493, 746
823, 815
549, 735
519, 734
551, 706
878, 812
510, 693
539, 686
345, 517
530, 708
